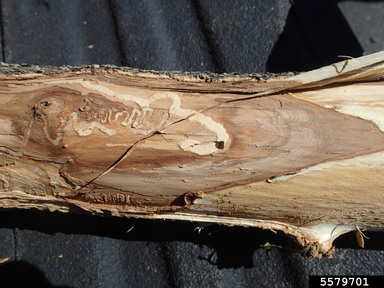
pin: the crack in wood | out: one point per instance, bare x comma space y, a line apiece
117, 162
130, 149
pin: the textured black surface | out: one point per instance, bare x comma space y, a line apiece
328, 30
55, 250
58, 32
367, 22
74, 251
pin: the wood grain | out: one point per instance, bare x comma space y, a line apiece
299, 153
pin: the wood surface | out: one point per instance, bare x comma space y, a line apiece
303, 153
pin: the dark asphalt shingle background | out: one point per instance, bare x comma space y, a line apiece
55, 250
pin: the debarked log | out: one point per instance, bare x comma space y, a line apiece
302, 153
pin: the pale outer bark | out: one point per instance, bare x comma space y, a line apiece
235, 150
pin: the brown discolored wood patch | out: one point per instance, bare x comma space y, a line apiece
178, 142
